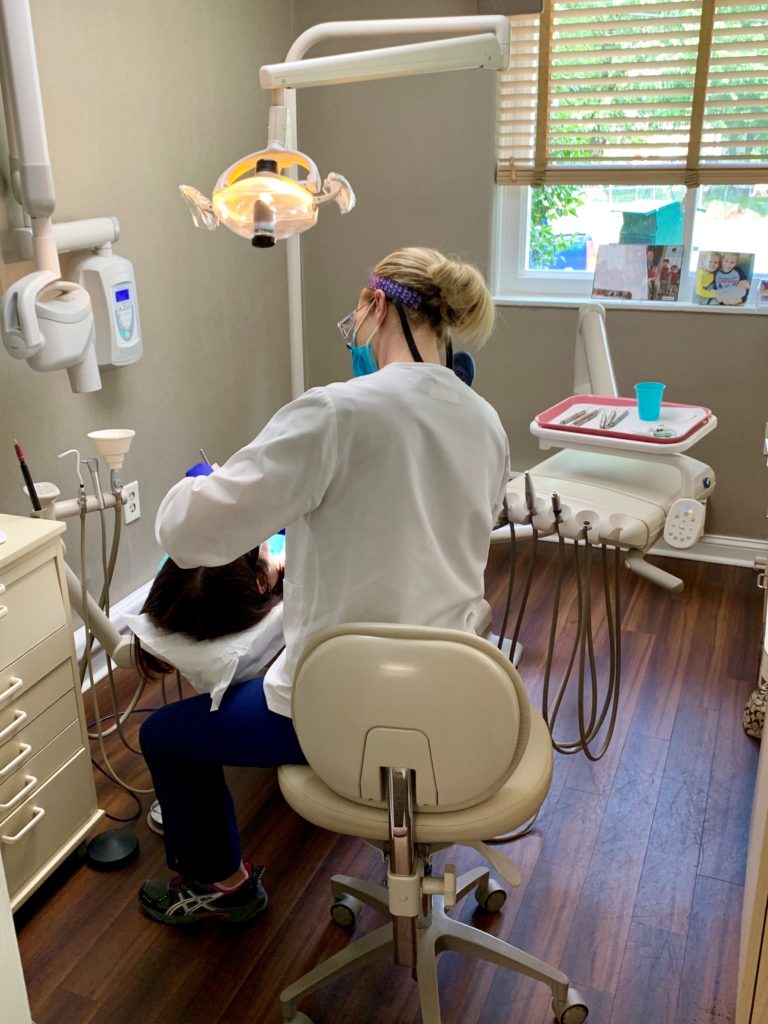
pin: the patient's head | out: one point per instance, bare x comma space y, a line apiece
210, 602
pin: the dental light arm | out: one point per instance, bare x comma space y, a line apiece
246, 197
478, 51
260, 196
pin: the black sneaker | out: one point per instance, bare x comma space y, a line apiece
176, 901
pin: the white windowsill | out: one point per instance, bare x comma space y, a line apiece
574, 301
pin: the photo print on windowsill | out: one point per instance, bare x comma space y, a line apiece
643, 273
723, 278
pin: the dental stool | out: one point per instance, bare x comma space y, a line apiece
418, 739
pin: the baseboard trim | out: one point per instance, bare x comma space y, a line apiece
717, 548
130, 605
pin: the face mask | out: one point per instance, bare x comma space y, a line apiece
363, 359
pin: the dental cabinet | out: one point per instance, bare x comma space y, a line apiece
47, 793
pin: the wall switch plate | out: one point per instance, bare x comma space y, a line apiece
132, 507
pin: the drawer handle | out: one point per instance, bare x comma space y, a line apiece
10, 840
24, 749
3, 610
16, 685
21, 717
31, 782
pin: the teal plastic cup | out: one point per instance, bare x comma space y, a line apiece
649, 395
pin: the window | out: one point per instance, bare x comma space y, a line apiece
630, 120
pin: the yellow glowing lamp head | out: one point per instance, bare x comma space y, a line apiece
256, 199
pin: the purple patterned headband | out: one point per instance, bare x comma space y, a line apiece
408, 296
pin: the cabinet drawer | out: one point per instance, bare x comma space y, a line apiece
25, 706
31, 605
35, 833
20, 749
23, 673
40, 766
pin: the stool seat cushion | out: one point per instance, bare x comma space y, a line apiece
512, 805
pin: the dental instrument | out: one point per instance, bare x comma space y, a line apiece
51, 323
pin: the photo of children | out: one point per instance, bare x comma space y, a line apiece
723, 278
762, 292
663, 264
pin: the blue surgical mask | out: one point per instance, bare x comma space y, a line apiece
363, 359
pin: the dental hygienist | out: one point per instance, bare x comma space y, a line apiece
389, 485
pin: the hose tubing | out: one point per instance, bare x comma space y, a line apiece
593, 713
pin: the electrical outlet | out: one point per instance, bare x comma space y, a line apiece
132, 508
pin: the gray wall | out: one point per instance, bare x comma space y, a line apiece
419, 153
139, 98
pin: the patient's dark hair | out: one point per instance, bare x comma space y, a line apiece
206, 603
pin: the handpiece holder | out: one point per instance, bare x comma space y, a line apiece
112, 445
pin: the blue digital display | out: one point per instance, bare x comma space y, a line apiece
123, 295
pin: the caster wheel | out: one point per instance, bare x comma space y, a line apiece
490, 897
345, 911
573, 1010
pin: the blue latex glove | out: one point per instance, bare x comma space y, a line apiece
199, 469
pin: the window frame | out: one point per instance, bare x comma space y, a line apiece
512, 281
524, 119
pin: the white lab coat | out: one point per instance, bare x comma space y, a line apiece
389, 486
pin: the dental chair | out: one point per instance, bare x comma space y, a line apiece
418, 739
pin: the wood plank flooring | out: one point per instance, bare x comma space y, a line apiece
632, 877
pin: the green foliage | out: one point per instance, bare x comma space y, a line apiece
547, 205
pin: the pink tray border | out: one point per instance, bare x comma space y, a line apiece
545, 418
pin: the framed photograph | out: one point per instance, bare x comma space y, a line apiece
762, 293
723, 278
664, 265
639, 272
621, 272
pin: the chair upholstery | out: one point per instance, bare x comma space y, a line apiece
445, 711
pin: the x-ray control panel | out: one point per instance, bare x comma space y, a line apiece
124, 308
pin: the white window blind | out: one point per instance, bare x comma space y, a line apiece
636, 91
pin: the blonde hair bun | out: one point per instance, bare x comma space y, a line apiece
457, 302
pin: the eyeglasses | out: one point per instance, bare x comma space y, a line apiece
347, 324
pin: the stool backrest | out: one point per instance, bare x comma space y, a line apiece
447, 704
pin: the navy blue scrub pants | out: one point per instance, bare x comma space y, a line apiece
186, 745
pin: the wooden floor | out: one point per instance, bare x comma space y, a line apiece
632, 878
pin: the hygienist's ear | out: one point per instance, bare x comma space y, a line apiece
380, 309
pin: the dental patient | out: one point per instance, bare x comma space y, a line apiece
210, 602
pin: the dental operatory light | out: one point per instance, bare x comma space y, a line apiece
257, 199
